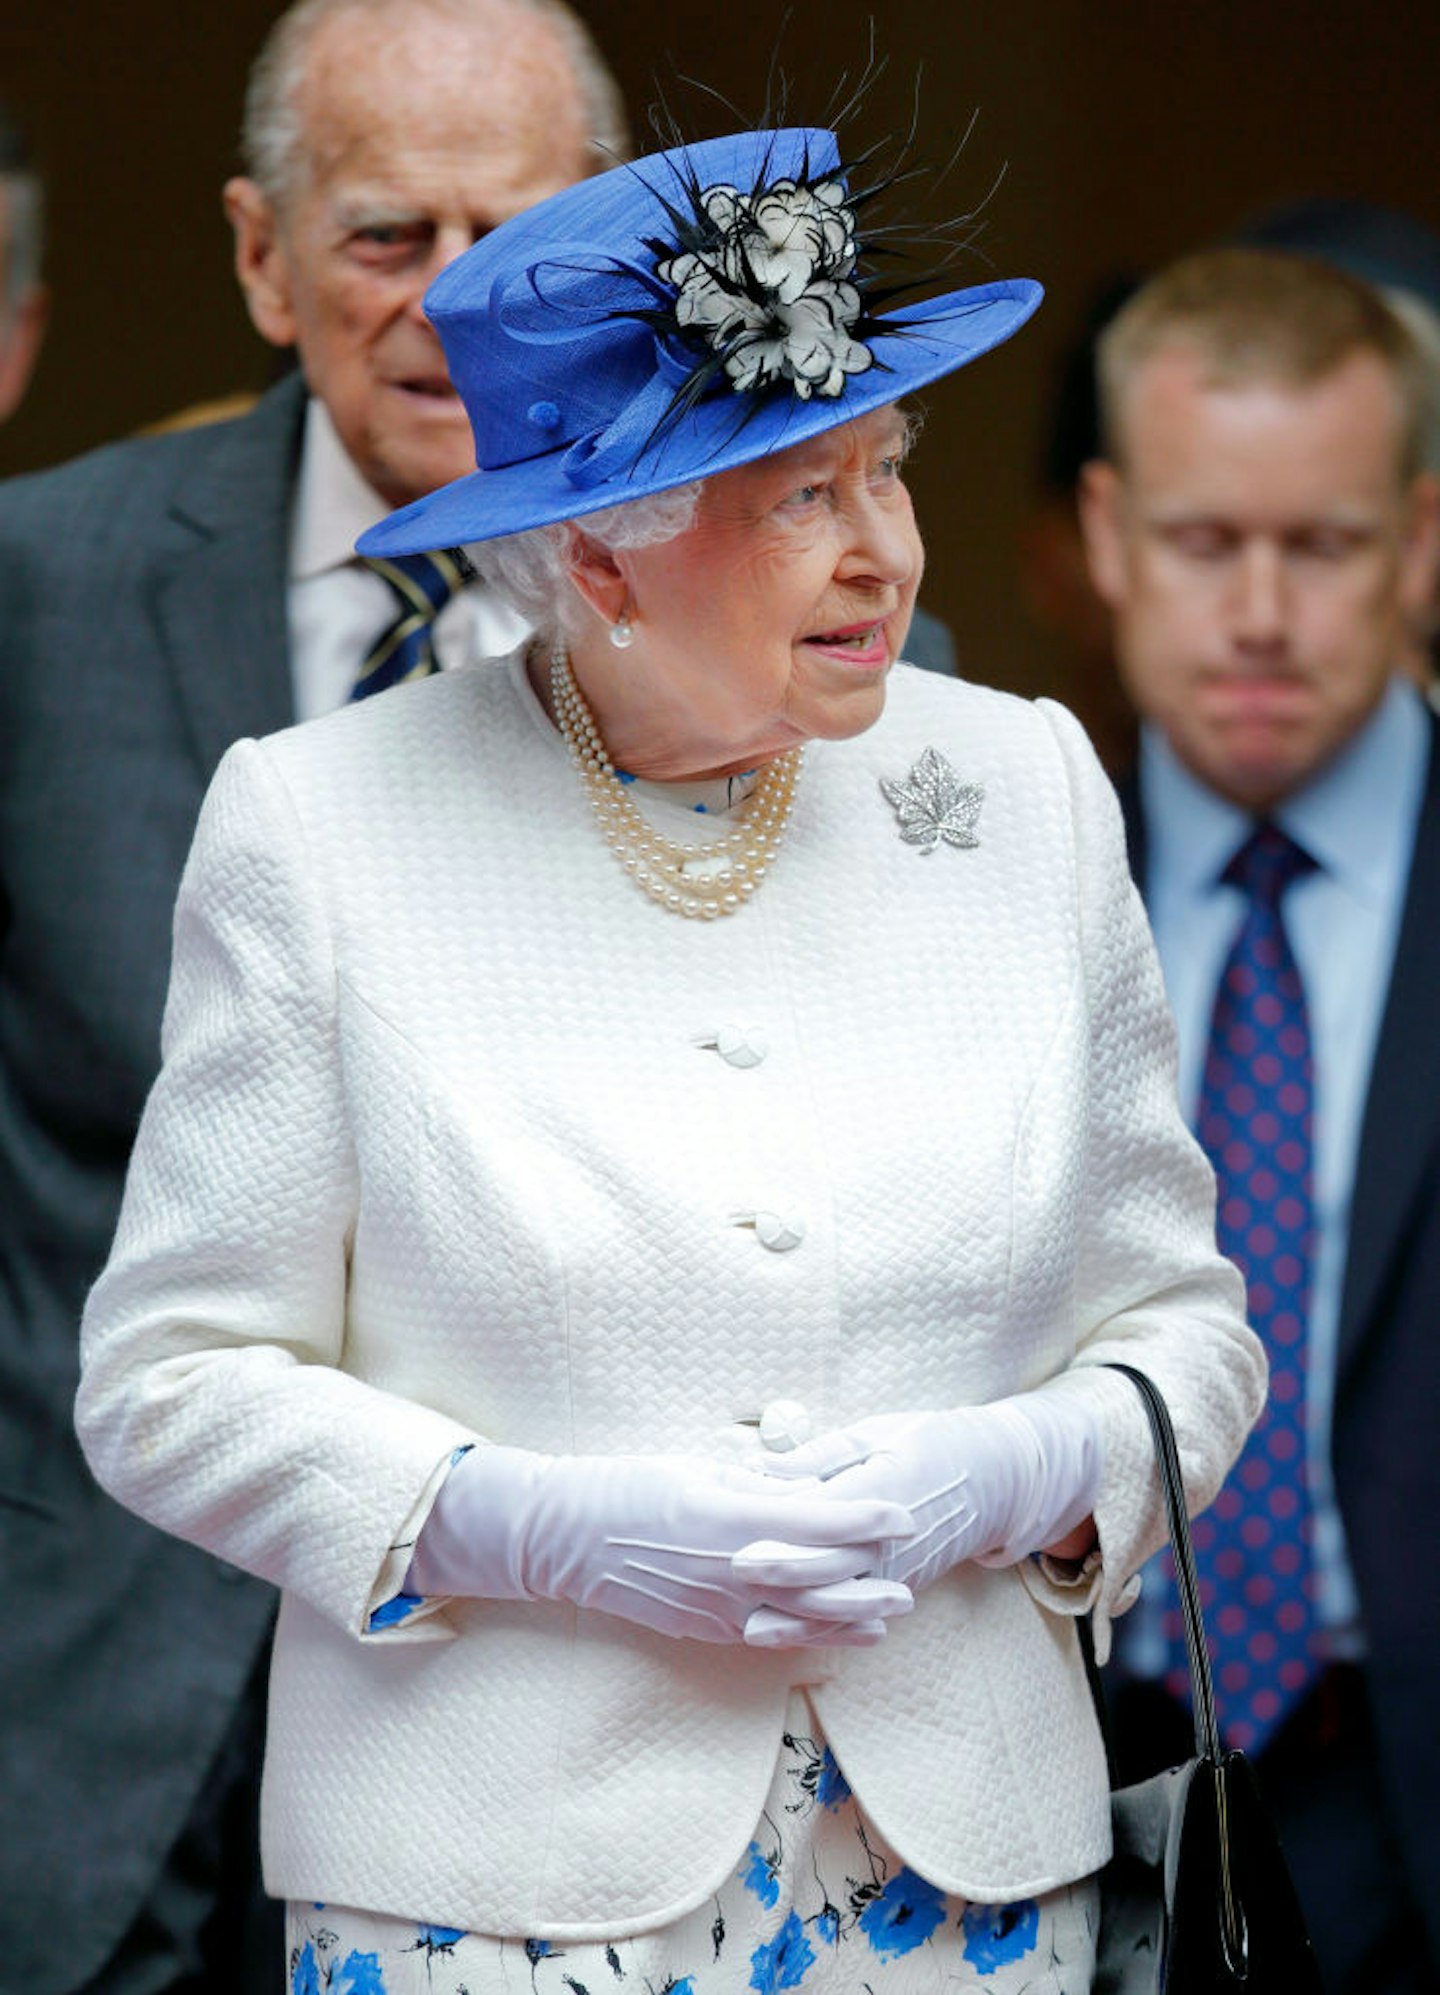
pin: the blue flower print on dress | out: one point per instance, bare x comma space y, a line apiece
817, 1772
996, 1934
903, 1915
390, 1613
758, 1874
784, 1962
359, 1974
832, 1789
431, 1940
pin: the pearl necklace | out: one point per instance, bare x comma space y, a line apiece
699, 881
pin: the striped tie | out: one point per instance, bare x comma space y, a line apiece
423, 584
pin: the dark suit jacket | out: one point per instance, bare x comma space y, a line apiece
1387, 1403
142, 629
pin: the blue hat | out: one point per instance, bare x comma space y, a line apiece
668, 319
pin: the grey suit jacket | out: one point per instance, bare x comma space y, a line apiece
142, 629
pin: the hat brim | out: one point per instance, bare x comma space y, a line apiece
921, 343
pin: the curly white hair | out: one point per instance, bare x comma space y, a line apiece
531, 570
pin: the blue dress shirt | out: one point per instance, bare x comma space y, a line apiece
1357, 820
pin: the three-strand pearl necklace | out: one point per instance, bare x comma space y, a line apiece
702, 882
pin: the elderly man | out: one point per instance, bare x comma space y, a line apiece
1265, 535
159, 599
24, 302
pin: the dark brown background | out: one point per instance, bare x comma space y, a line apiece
1129, 130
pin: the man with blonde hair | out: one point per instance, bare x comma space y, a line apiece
1265, 533
157, 600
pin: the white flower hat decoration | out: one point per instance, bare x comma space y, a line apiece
772, 293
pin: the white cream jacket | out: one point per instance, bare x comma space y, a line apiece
444, 1150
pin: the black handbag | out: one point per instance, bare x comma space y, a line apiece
1197, 1898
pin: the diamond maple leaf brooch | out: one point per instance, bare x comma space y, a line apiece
932, 803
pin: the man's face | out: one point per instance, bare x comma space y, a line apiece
420, 132
1261, 553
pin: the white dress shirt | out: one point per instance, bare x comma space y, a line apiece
1357, 821
338, 606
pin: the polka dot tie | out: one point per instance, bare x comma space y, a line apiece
1253, 1547
423, 585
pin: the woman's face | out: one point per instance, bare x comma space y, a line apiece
773, 619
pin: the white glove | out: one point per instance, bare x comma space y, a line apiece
989, 1483
654, 1539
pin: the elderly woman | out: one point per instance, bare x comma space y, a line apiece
657, 1140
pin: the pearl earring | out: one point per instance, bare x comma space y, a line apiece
622, 632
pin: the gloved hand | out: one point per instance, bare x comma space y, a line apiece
990, 1483
654, 1538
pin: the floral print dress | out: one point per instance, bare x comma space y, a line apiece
817, 1903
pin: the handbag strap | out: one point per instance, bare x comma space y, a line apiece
1167, 1460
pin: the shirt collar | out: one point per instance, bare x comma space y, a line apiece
1191, 831
334, 505
1356, 819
